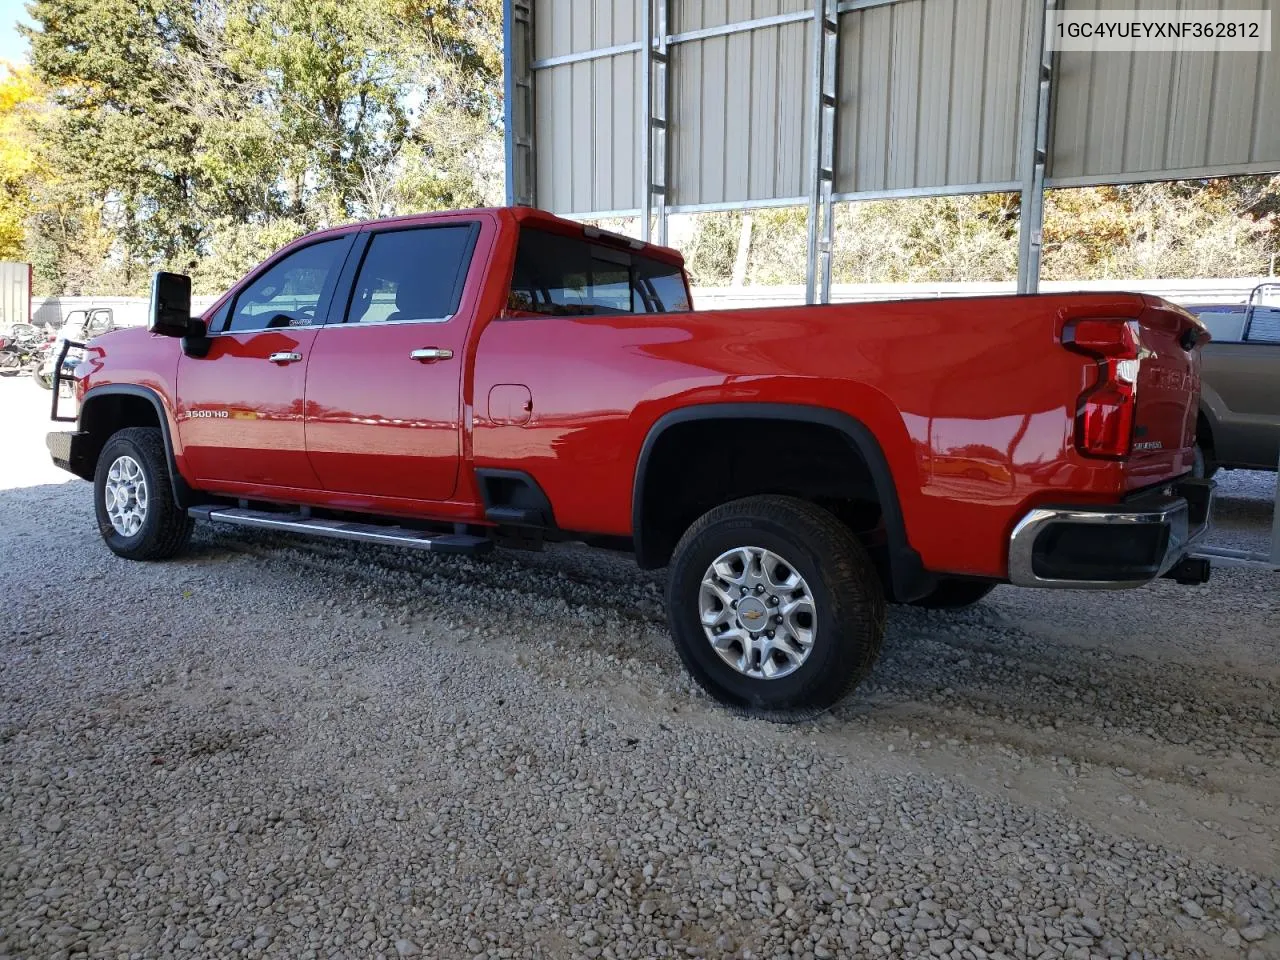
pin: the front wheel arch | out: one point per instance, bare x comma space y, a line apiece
112, 407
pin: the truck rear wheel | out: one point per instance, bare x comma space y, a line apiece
1203, 467
133, 497
774, 606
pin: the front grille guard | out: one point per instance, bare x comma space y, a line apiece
59, 376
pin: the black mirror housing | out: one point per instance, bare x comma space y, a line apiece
170, 305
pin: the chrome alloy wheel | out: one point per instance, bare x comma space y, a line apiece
125, 494
758, 613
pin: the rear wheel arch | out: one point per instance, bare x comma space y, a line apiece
655, 534
106, 410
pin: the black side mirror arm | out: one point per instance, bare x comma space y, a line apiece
197, 341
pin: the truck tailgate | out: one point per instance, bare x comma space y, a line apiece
1168, 394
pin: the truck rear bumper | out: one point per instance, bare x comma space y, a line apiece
1114, 548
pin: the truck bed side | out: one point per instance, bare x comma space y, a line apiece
972, 403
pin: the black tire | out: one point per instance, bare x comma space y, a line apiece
846, 590
40, 378
1205, 466
954, 594
165, 526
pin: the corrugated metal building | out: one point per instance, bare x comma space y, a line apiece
15, 293
732, 104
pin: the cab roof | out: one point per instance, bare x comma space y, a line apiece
532, 216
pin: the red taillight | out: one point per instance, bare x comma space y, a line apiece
1105, 412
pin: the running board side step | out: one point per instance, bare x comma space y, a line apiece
389, 536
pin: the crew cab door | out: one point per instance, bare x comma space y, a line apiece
240, 406
384, 386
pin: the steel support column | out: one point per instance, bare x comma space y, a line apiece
1038, 79
517, 21
822, 135
655, 58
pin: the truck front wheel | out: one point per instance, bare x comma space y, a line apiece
133, 495
774, 606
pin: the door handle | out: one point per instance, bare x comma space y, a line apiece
431, 354
283, 358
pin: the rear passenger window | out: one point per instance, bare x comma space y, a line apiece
412, 276
571, 276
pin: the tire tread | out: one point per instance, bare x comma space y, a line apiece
854, 585
173, 528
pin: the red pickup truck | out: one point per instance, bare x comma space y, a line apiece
453, 380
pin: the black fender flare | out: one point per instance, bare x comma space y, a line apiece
183, 495
909, 578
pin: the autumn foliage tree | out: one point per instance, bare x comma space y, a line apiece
20, 98
198, 134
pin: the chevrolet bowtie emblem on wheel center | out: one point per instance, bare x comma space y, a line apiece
752, 614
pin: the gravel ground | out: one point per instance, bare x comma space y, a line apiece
272, 747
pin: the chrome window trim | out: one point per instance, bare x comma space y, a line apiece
355, 324
337, 325
229, 333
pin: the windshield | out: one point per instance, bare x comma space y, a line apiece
572, 276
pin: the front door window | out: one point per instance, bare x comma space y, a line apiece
288, 294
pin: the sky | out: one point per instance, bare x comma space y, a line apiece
13, 46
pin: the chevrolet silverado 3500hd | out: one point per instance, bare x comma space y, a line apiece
449, 380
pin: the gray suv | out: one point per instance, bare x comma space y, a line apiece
1239, 425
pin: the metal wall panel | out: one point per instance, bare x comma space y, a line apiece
929, 94
930, 101
740, 109
1128, 117
699, 14
576, 26
587, 132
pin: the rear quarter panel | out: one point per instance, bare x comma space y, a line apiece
973, 402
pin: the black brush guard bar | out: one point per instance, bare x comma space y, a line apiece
58, 377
